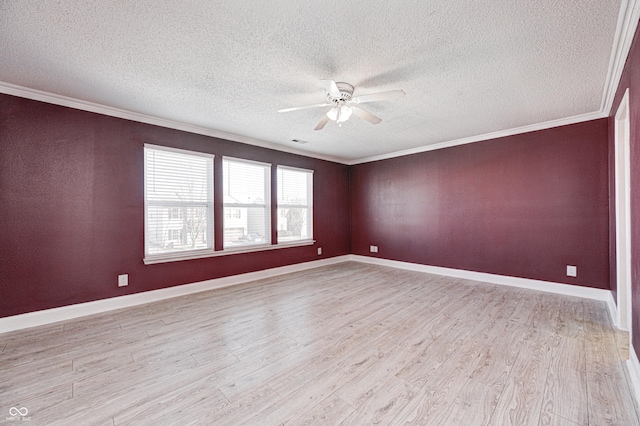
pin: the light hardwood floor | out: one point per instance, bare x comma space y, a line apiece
348, 344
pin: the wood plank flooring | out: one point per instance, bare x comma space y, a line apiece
349, 344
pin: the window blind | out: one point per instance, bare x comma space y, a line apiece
178, 201
247, 202
295, 204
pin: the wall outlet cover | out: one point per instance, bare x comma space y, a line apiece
123, 280
572, 271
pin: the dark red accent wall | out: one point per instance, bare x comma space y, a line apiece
631, 79
522, 206
71, 207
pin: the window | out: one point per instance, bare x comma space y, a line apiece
247, 206
233, 213
175, 234
178, 202
175, 213
295, 204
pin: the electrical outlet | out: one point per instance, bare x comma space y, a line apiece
319, 251
373, 249
572, 271
123, 280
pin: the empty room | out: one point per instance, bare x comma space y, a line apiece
319, 213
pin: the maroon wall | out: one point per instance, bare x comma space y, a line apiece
523, 206
71, 203
631, 80
71, 207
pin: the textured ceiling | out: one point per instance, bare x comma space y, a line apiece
469, 68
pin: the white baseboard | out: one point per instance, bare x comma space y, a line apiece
546, 286
613, 310
48, 316
63, 313
633, 366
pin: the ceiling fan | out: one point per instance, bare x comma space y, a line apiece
343, 104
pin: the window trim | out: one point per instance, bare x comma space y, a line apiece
202, 254
268, 207
309, 206
212, 252
186, 254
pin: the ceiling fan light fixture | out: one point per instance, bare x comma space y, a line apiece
345, 113
339, 114
333, 114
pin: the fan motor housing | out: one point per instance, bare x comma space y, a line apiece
346, 93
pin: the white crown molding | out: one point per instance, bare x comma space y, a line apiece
484, 137
51, 98
39, 95
48, 316
625, 31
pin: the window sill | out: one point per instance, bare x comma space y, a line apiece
175, 257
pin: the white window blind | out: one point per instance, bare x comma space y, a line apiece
178, 189
295, 204
247, 203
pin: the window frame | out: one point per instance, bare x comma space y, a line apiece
267, 205
218, 210
308, 205
209, 205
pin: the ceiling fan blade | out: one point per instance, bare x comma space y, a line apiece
303, 107
381, 96
331, 87
366, 116
322, 123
